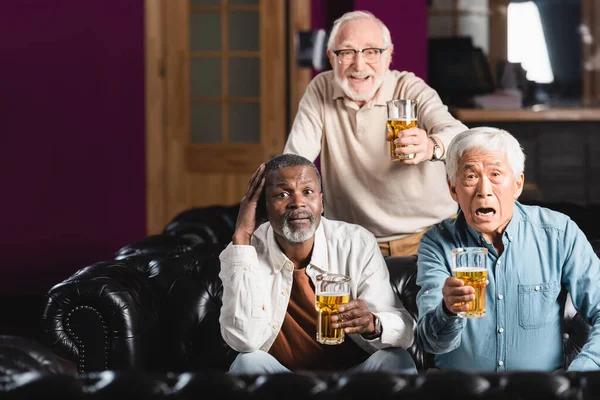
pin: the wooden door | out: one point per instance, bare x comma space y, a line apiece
216, 100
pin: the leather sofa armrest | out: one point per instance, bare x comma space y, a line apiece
105, 316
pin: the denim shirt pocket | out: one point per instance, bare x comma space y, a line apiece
536, 303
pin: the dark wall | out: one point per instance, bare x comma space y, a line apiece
72, 136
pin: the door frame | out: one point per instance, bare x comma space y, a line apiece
154, 75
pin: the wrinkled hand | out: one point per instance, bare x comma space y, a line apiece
354, 317
456, 295
246, 219
417, 142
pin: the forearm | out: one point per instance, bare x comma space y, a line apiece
398, 330
439, 332
589, 358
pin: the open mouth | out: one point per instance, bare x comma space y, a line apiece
485, 212
360, 79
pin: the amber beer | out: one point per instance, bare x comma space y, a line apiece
327, 305
401, 115
395, 126
475, 277
469, 264
331, 291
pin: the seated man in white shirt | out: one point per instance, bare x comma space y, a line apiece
268, 312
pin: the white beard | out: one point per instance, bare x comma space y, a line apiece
345, 86
298, 236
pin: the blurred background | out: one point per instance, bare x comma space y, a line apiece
119, 114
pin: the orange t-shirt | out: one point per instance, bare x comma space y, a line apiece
296, 346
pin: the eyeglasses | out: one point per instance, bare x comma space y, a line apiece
347, 56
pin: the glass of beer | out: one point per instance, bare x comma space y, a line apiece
402, 114
331, 290
469, 265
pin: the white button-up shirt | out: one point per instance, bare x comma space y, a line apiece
257, 281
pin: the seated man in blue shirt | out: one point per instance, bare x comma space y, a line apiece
535, 256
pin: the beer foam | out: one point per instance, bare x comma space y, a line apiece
333, 294
469, 269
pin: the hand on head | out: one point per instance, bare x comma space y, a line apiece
246, 220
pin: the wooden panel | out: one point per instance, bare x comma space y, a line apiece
498, 33
299, 77
273, 76
219, 188
226, 158
177, 125
156, 204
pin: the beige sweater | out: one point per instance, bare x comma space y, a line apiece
361, 184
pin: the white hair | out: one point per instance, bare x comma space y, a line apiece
353, 15
488, 139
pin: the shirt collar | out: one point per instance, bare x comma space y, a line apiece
319, 258
385, 92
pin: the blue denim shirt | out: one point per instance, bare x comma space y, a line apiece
545, 256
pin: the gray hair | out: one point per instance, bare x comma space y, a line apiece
291, 160
488, 139
353, 15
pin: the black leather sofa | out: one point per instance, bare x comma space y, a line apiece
146, 322
155, 307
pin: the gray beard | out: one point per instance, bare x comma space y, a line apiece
298, 236
345, 86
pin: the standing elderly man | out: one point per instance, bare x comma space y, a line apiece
535, 257
268, 312
342, 116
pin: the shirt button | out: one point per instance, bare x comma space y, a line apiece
263, 348
537, 288
284, 293
275, 326
501, 330
500, 297
500, 363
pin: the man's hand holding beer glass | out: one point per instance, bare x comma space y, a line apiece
408, 143
464, 294
457, 295
354, 317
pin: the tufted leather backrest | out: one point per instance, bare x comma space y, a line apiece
403, 277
